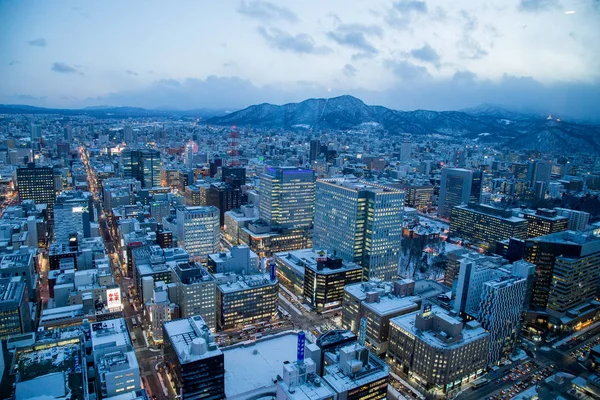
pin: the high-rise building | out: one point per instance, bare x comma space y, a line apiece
128, 134
315, 149
436, 349
539, 171
15, 317
143, 165
73, 213
196, 292
194, 196
37, 184
360, 222
578, 220
500, 309
233, 173
544, 222
458, 186
287, 197
198, 230
419, 196
485, 224
405, 150
567, 275
225, 197
193, 359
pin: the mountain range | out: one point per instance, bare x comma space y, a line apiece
484, 123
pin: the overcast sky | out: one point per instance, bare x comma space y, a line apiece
407, 54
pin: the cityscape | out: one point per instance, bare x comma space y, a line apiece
328, 247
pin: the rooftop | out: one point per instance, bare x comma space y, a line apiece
191, 339
317, 260
229, 283
110, 333
255, 366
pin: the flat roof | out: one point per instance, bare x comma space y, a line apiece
340, 382
181, 333
389, 304
242, 282
254, 366
110, 333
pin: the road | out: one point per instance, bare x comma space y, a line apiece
150, 359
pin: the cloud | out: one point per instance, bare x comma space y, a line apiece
405, 70
402, 13
266, 12
130, 72
537, 5
469, 47
355, 36
349, 70
41, 42
63, 68
426, 54
301, 43
11, 63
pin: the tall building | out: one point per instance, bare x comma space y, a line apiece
360, 222
73, 213
225, 197
567, 275
544, 222
233, 173
500, 309
437, 350
539, 171
458, 186
287, 197
485, 224
578, 220
37, 184
405, 150
198, 230
15, 317
143, 165
419, 196
193, 359
315, 149
196, 292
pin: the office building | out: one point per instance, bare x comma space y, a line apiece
234, 175
539, 171
544, 222
225, 197
193, 360
458, 186
115, 363
73, 217
287, 197
567, 275
453, 266
378, 303
195, 195
578, 220
196, 292
419, 196
245, 299
15, 317
499, 313
143, 165
37, 184
198, 230
315, 150
265, 239
236, 220
316, 276
475, 269
357, 374
437, 350
405, 150
486, 225
239, 260
361, 223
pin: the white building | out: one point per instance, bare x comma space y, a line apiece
198, 230
360, 222
117, 369
578, 220
196, 292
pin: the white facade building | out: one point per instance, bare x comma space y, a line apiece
198, 230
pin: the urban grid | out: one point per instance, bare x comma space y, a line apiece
319, 250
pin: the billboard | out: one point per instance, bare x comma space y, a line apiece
113, 298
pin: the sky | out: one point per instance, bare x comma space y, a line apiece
536, 55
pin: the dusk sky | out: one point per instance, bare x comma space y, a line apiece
541, 55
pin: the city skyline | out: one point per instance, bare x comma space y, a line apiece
406, 55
